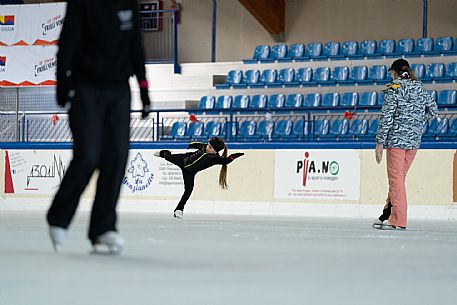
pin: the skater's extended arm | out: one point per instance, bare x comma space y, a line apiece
230, 158
196, 145
69, 43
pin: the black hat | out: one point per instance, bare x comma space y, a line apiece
217, 143
399, 64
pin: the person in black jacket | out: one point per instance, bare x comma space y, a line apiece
191, 163
100, 48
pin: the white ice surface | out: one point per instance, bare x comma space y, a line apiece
210, 259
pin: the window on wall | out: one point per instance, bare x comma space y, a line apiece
150, 19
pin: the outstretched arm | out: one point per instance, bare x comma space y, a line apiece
196, 145
230, 158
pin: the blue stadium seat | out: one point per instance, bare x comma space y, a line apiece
433, 72
178, 130
452, 132
386, 47
339, 74
331, 49
286, 76
251, 77
433, 94
367, 48
321, 75
404, 47
330, 99
212, 129
259, 101
447, 97
276, 101
313, 50
419, 70
312, 100
436, 129
294, 101
450, 75
381, 98
296, 50
224, 102
260, 52
357, 74
305, 77
368, 98
283, 129
233, 77
349, 99
358, 128
376, 73
195, 130
207, 102
442, 45
321, 128
241, 101
264, 130
423, 46
231, 127
339, 128
247, 129
373, 128
453, 51
300, 130
348, 49
268, 78
278, 51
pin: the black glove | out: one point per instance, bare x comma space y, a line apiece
65, 91
146, 102
236, 155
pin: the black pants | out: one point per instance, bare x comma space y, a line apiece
100, 124
189, 178
386, 212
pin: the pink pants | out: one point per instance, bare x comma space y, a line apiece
398, 164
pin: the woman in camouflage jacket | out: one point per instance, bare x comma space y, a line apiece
407, 106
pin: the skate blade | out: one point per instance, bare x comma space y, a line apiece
57, 247
378, 227
100, 249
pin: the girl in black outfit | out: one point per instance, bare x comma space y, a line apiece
191, 163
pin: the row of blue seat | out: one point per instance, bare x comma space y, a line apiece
293, 130
349, 99
324, 76
334, 50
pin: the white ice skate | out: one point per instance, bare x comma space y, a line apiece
157, 154
111, 240
178, 214
57, 235
377, 224
387, 226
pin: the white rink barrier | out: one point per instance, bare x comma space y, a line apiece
296, 182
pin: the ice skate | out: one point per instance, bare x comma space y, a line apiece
178, 214
377, 224
111, 240
57, 235
157, 154
387, 226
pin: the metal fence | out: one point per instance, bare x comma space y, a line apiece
235, 126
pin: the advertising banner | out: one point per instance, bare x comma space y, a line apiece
28, 66
31, 24
317, 174
41, 172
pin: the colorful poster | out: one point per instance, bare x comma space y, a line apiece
28, 66
317, 174
31, 24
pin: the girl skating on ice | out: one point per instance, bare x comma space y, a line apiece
191, 163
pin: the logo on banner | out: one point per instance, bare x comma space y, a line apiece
52, 24
2, 63
139, 178
327, 170
7, 23
45, 172
45, 65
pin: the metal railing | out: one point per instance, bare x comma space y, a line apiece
253, 125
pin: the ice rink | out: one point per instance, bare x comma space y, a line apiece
210, 259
